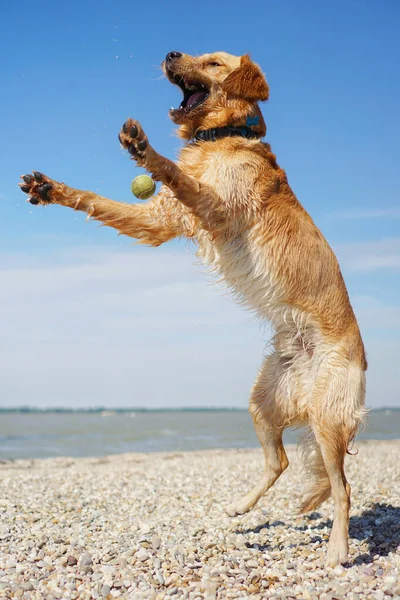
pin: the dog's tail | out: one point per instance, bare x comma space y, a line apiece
313, 462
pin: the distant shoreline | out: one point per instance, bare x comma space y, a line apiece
103, 409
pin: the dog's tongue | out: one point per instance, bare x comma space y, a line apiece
196, 98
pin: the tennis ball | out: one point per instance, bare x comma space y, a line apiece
143, 187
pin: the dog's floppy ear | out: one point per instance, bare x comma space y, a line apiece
247, 81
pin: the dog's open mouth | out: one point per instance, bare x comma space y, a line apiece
194, 93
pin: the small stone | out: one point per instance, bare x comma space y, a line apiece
105, 590
72, 561
389, 580
118, 584
339, 591
11, 564
141, 555
253, 589
85, 560
338, 570
210, 589
87, 569
366, 578
252, 563
27, 585
155, 542
160, 577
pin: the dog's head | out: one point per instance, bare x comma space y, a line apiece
218, 89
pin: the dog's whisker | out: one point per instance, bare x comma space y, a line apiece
159, 78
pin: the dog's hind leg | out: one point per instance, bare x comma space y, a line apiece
269, 421
333, 444
336, 411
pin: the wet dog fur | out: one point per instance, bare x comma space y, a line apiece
234, 201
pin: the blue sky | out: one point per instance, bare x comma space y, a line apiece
90, 318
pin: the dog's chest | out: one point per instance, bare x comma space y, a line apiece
242, 259
247, 269
231, 174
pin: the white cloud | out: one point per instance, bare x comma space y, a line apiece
383, 382
373, 213
370, 256
373, 313
143, 327
380, 328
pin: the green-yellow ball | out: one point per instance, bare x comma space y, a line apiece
143, 187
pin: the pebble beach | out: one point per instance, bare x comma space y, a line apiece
153, 527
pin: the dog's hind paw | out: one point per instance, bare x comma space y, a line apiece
337, 552
133, 139
237, 508
38, 187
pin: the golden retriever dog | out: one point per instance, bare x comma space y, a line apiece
228, 194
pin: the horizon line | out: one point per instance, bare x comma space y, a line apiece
141, 409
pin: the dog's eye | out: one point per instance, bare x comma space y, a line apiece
214, 64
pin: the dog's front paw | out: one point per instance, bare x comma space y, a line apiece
133, 138
38, 187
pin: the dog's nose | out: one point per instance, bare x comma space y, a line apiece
172, 56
